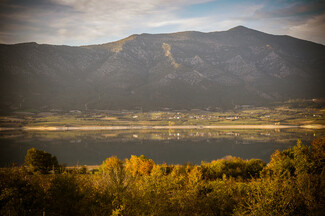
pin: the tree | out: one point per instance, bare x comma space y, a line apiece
20, 194
40, 161
117, 182
114, 169
139, 165
254, 167
318, 149
65, 197
299, 175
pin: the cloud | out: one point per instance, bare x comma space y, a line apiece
81, 22
115, 18
296, 9
304, 19
313, 29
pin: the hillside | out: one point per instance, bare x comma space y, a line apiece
154, 71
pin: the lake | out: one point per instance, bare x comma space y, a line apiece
170, 146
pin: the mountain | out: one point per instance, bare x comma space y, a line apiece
153, 71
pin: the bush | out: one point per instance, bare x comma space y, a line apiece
19, 194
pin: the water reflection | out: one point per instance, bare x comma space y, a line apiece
171, 146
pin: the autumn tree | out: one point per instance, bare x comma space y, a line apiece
232, 166
291, 184
318, 150
139, 165
40, 161
114, 169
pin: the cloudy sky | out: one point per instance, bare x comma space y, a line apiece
82, 22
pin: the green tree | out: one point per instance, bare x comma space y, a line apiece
40, 161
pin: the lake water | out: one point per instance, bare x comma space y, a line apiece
170, 146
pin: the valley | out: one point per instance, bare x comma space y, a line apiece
276, 116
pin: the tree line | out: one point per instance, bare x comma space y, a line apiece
292, 183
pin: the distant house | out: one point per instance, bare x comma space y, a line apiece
75, 111
232, 118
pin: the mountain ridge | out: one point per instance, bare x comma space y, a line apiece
178, 70
239, 27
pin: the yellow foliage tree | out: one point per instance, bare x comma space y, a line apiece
114, 168
139, 165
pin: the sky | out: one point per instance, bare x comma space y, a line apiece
84, 22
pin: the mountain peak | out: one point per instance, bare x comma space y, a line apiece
239, 28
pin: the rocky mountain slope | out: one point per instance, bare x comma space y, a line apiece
153, 71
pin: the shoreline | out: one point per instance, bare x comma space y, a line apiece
85, 128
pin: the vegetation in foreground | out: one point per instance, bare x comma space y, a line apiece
293, 183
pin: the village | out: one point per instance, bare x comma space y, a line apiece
244, 115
